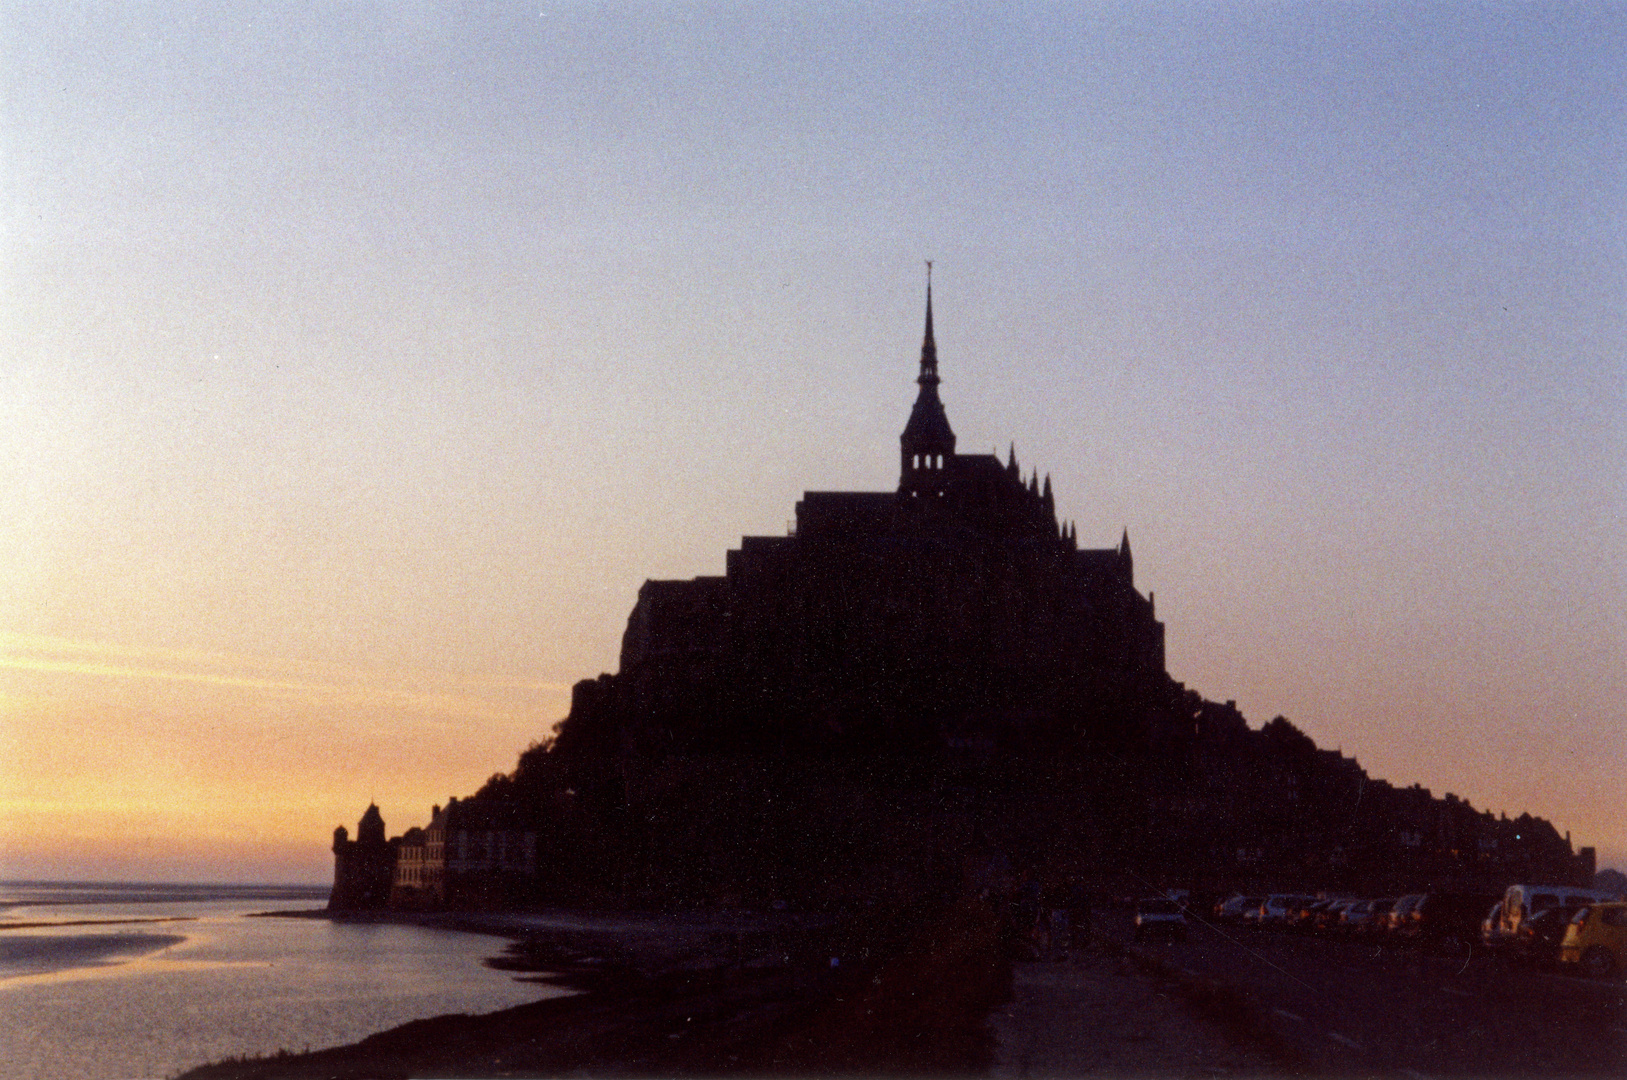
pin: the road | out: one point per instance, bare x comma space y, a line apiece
1351, 1007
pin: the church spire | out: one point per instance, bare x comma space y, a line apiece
929, 347
927, 446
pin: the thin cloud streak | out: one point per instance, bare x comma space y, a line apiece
463, 697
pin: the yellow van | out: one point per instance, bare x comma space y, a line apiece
1596, 939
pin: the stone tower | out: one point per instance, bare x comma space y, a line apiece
363, 867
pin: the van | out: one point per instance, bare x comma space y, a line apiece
1596, 939
1522, 902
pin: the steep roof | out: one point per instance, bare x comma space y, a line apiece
928, 425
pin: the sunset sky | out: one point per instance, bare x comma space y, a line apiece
358, 362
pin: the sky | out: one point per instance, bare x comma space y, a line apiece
359, 361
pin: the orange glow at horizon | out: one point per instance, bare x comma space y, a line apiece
122, 756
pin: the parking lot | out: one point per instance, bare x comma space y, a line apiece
1374, 1006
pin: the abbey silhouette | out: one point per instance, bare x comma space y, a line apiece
911, 684
953, 611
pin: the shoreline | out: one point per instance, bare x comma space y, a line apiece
886, 991
96, 922
586, 951
653, 942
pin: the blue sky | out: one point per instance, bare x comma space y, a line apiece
383, 350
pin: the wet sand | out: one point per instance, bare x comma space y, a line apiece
40, 954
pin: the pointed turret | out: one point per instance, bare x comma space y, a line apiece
370, 830
1011, 464
1124, 557
928, 442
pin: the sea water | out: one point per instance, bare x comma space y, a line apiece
106, 982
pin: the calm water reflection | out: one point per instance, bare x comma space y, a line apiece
147, 999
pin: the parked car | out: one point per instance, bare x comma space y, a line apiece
1160, 918
1449, 916
1330, 919
1596, 939
1303, 917
1366, 918
1278, 906
1232, 910
1401, 913
1353, 916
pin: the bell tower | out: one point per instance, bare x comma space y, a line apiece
927, 444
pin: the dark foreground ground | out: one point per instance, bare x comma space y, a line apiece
938, 995
1377, 1008
908, 996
